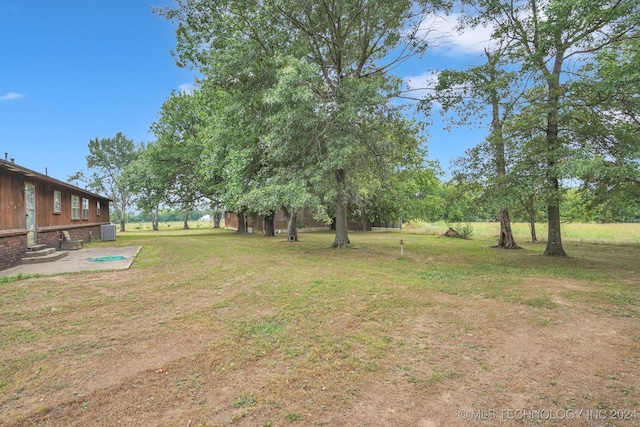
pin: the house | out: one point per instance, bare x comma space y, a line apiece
255, 223
35, 211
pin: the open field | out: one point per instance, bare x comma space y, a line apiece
211, 329
571, 232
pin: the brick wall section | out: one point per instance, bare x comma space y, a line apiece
13, 248
13, 245
88, 233
52, 238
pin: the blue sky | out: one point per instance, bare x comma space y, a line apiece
73, 70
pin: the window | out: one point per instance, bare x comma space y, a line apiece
98, 208
57, 202
75, 207
85, 209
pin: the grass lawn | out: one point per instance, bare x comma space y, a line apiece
209, 328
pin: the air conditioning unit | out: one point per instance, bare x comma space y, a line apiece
108, 232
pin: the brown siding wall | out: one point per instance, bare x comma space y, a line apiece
230, 220
45, 216
12, 211
256, 223
306, 220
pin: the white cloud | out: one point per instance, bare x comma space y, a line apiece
10, 96
445, 37
419, 85
186, 88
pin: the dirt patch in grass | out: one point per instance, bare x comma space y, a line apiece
269, 337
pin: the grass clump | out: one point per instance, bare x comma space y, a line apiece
293, 417
245, 400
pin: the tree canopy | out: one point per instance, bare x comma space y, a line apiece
295, 107
304, 99
107, 162
548, 40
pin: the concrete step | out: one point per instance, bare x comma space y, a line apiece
40, 252
35, 248
45, 258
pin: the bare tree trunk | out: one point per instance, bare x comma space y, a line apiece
269, 225
123, 215
342, 234
530, 208
506, 240
532, 220
554, 241
185, 224
554, 238
217, 217
292, 224
532, 228
242, 226
365, 222
154, 220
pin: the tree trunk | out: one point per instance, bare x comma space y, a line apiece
217, 217
554, 240
506, 240
365, 222
292, 224
154, 220
269, 225
242, 226
342, 234
123, 215
185, 221
532, 227
530, 209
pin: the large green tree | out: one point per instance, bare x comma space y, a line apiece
236, 165
107, 162
332, 50
473, 94
175, 157
544, 36
147, 184
606, 126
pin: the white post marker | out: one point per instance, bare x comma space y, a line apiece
401, 247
